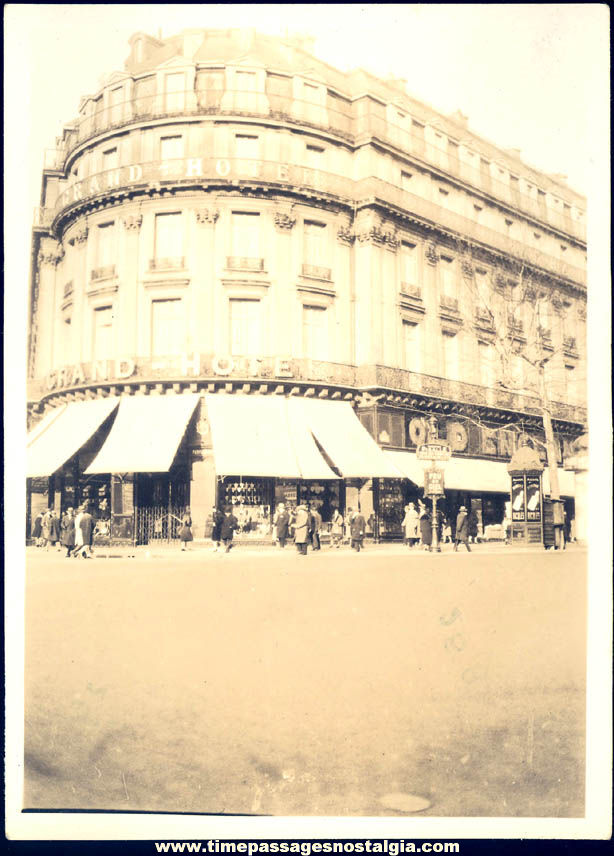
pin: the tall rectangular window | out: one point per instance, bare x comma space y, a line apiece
167, 327
314, 243
245, 328
116, 104
102, 345
106, 245
247, 146
315, 332
448, 277
171, 148
487, 364
168, 237
314, 157
246, 234
110, 159
412, 351
451, 362
409, 263
174, 85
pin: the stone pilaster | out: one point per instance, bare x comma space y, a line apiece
431, 340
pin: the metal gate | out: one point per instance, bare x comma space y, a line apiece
159, 524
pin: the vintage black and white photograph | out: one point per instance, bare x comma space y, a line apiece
305, 301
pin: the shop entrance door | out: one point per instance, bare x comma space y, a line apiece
162, 500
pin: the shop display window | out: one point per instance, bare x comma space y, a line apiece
250, 500
391, 508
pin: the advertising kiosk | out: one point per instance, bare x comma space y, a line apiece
526, 470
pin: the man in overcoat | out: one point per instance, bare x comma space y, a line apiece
462, 529
87, 530
316, 525
229, 524
216, 532
357, 531
301, 529
282, 524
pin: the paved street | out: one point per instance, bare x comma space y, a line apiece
261, 682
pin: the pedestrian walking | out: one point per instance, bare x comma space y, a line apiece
426, 530
301, 529
316, 518
37, 530
410, 524
281, 524
185, 533
336, 528
462, 530
357, 531
86, 524
447, 531
229, 525
53, 529
440, 519
67, 527
216, 531
46, 529
472, 526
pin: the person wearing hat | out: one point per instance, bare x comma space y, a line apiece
67, 526
462, 529
301, 529
282, 524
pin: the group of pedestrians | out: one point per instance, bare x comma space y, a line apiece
304, 525
74, 532
418, 527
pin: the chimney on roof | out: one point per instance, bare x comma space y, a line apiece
459, 116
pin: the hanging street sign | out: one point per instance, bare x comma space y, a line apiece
433, 482
434, 452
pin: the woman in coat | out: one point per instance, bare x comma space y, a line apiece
37, 530
46, 528
357, 531
336, 528
426, 528
67, 525
462, 529
410, 523
185, 533
301, 529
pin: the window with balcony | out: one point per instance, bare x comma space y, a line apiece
412, 349
168, 241
315, 250
314, 157
102, 338
105, 251
247, 146
245, 328
110, 159
245, 241
168, 327
487, 364
174, 85
315, 333
409, 268
451, 361
449, 290
171, 148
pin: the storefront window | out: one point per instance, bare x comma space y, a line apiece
250, 500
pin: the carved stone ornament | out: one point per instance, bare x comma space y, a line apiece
134, 222
51, 257
284, 221
467, 268
391, 239
374, 235
207, 216
581, 310
345, 235
80, 236
557, 303
432, 256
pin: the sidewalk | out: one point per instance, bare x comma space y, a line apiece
203, 550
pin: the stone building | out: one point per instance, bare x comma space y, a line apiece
254, 277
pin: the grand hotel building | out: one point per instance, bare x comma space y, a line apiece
253, 278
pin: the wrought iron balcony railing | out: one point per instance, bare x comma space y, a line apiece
169, 263
244, 263
317, 272
356, 120
105, 272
